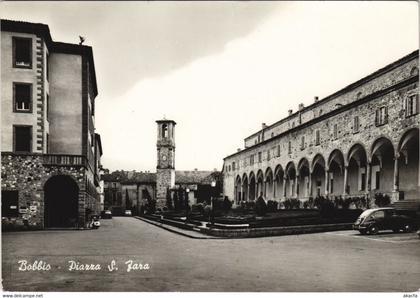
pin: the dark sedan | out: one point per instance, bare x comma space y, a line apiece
374, 220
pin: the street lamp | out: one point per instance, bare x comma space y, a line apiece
213, 186
187, 201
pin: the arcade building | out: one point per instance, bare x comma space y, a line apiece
50, 157
361, 140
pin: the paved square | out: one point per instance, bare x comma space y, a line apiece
333, 261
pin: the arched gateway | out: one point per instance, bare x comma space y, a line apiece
61, 195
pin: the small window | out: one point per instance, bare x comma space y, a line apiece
22, 97
278, 150
290, 147
9, 203
251, 159
356, 124
381, 116
47, 107
414, 71
412, 105
164, 131
259, 157
335, 131
359, 95
48, 143
268, 154
302, 142
22, 52
233, 166
317, 137
272, 134
48, 67
22, 138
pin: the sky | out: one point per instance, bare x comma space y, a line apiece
219, 69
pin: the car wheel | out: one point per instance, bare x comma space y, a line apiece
408, 228
373, 230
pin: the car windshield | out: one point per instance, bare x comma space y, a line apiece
365, 213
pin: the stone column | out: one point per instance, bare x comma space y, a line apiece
345, 180
284, 186
310, 184
274, 187
327, 182
368, 177
396, 174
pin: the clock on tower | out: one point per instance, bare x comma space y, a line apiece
165, 169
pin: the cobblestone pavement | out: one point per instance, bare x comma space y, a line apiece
332, 261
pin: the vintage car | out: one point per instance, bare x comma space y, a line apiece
372, 221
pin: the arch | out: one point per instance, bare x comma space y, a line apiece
277, 170
244, 177
252, 186
357, 152
407, 178
382, 165
379, 144
238, 189
318, 160
302, 163
260, 175
336, 156
260, 183
245, 187
268, 171
408, 135
61, 200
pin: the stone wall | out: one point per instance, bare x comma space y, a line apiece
393, 97
27, 175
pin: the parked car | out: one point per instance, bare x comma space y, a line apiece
106, 214
418, 233
94, 222
127, 213
374, 220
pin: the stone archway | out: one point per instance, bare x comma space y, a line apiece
61, 202
406, 178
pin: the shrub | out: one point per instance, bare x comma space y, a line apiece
382, 200
305, 205
227, 204
198, 208
150, 206
272, 206
260, 207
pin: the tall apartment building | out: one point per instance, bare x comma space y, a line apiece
50, 151
359, 141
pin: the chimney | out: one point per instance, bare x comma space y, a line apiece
290, 112
301, 106
264, 126
238, 150
316, 98
196, 169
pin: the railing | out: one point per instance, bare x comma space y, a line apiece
64, 160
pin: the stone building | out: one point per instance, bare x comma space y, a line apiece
361, 140
131, 189
50, 151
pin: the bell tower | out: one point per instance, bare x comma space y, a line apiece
165, 169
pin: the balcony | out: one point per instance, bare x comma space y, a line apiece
64, 160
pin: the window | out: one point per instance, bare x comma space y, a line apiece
9, 203
258, 138
412, 105
272, 134
317, 137
22, 52
251, 159
164, 131
335, 131
48, 67
233, 166
22, 97
268, 154
22, 138
48, 143
259, 157
381, 116
302, 143
48, 107
356, 124
278, 150
290, 147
